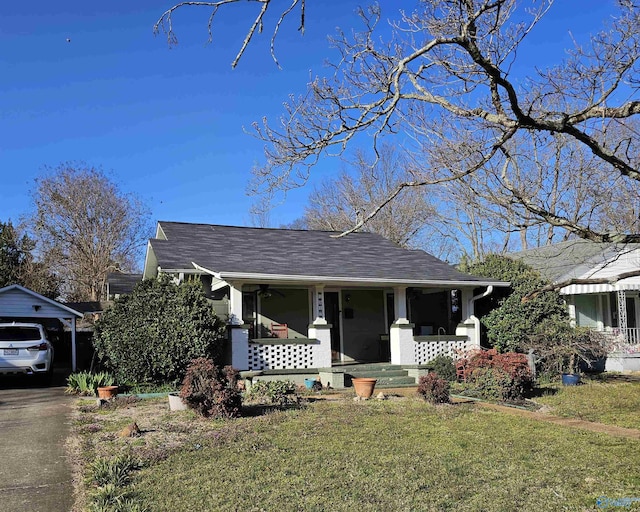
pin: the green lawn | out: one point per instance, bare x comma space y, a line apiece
610, 403
387, 456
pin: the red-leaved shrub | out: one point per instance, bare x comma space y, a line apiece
497, 376
211, 390
434, 389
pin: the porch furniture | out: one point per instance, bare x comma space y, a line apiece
280, 330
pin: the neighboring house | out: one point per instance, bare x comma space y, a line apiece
310, 299
601, 284
119, 283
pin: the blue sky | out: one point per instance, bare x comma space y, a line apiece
168, 123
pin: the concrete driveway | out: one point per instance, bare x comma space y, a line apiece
34, 423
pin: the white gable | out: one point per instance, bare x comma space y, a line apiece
19, 302
621, 263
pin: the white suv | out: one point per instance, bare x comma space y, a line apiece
25, 349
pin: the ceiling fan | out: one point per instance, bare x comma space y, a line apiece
265, 291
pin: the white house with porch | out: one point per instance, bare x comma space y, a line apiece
309, 300
601, 285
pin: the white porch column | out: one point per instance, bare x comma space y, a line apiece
400, 305
571, 304
471, 323
401, 331
320, 330
465, 303
318, 306
235, 304
402, 344
71, 324
322, 352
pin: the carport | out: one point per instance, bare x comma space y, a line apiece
18, 302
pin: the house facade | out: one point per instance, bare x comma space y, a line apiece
296, 299
601, 285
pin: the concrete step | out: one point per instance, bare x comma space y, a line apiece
349, 368
375, 374
393, 382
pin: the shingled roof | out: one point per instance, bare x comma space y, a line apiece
121, 283
230, 251
571, 259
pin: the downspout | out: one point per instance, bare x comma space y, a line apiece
473, 317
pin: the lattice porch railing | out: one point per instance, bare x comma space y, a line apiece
425, 351
283, 356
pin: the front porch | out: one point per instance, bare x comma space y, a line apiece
613, 310
312, 329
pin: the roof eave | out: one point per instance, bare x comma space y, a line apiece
245, 276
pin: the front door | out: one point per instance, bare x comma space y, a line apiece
332, 315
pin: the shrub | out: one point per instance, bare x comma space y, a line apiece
498, 376
490, 383
523, 309
211, 390
278, 392
444, 367
562, 348
151, 335
434, 389
87, 383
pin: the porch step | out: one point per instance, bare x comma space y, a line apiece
378, 374
395, 382
388, 375
366, 367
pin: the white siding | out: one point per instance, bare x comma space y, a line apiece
621, 263
16, 303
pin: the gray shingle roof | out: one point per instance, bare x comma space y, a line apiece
121, 283
571, 259
229, 249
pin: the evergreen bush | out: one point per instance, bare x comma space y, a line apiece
444, 367
151, 335
517, 315
279, 392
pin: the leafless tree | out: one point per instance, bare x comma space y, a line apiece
536, 170
339, 203
86, 226
444, 80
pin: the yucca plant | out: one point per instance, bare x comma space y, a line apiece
87, 383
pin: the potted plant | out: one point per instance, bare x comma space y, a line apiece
107, 392
364, 386
570, 373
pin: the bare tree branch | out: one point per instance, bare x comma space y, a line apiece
165, 23
431, 77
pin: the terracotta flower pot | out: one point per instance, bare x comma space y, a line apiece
107, 392
364, 386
